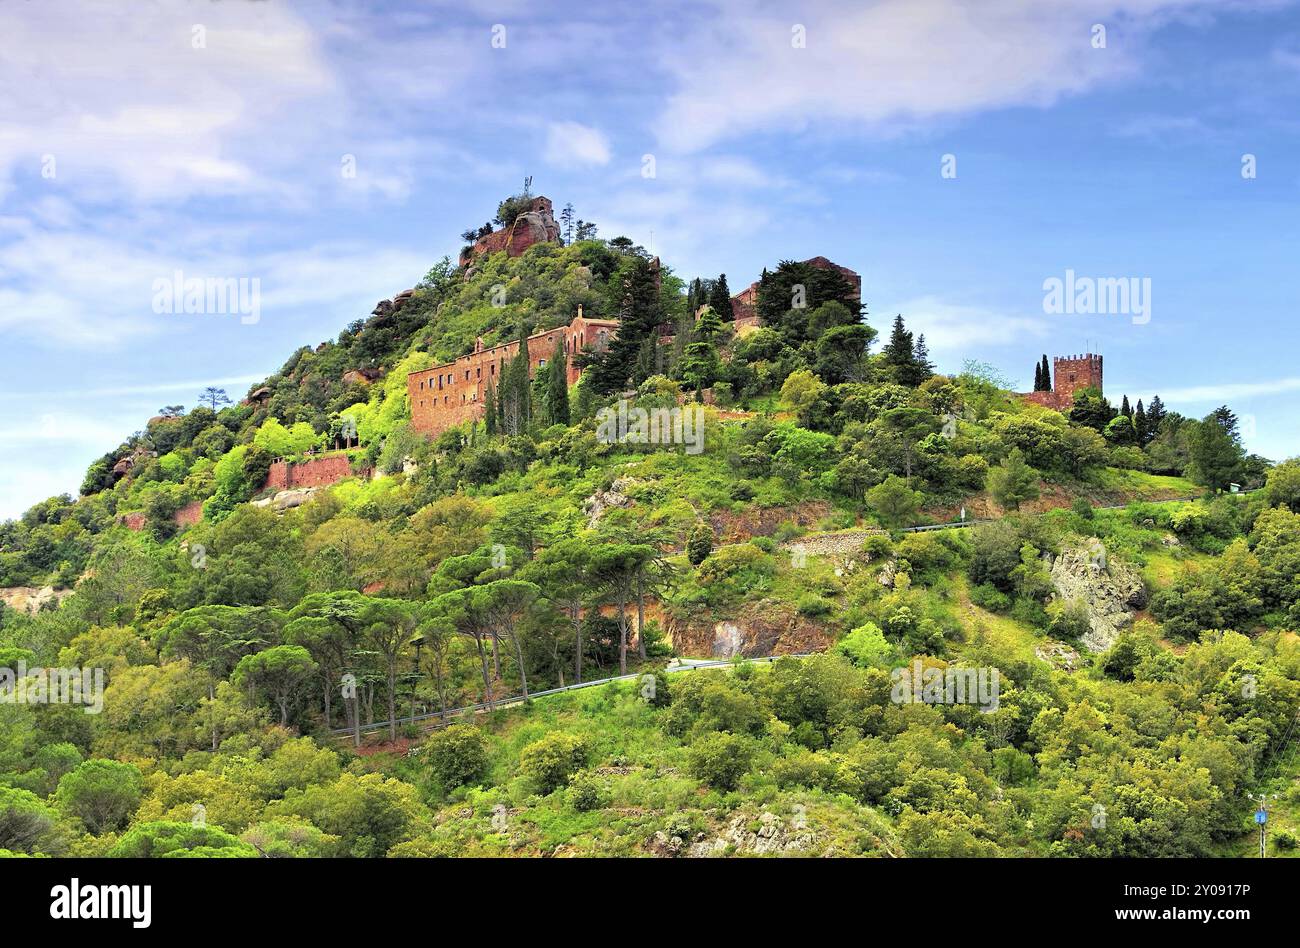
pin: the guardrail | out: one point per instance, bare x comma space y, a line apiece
445, 716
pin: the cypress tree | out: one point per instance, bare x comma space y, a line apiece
1124, 408
1140, 424
720, 297
557, 387
490, 409
1047, 374
1038, 377
502, 369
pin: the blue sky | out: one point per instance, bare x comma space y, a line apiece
211, 137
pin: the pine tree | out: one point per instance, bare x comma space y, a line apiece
898, 351
1124, 408
1155, 415
922, 357
720, 297
502, 369
566, 224
1013, 481
909, 364
635, 301
514, 393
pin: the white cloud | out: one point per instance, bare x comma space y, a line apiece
571, 144
128, 101
958, 329
1229, 391
82, 289
890, 65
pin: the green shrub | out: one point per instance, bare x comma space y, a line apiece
587, 792
457, 755
551, 761
813, 605
700, 543
720, 760
864, 646
988, 596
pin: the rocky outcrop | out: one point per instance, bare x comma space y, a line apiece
361, 376
769, 835
598, 503
31, 599
534, 226
287, 499
759, 629
1059, 655
1111, 590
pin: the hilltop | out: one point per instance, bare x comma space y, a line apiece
263, 578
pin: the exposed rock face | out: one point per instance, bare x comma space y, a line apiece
361, 376
1059, 655
287, 499
1111, 590
752, 521
772, 836
32, 599
601, 501
758, 630
534, 226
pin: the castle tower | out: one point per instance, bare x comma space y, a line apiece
1071, 373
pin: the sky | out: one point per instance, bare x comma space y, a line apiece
959, 155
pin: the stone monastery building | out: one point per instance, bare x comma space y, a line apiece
454, 392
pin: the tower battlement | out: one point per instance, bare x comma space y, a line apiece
1071, 373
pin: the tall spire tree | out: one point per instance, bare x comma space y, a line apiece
490, 409
557, 387
720, 297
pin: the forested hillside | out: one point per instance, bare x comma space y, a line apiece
259, 655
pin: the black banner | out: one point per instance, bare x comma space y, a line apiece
169, 897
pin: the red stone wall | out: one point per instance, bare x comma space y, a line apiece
133, 521
190, 514
316, 472
1054, 400
1071, 373
454, 392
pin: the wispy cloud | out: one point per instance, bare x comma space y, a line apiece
571, 144
957, 329
1227, 391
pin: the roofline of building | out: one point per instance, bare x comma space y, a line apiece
506, 345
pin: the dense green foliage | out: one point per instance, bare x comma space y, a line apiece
245, 655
